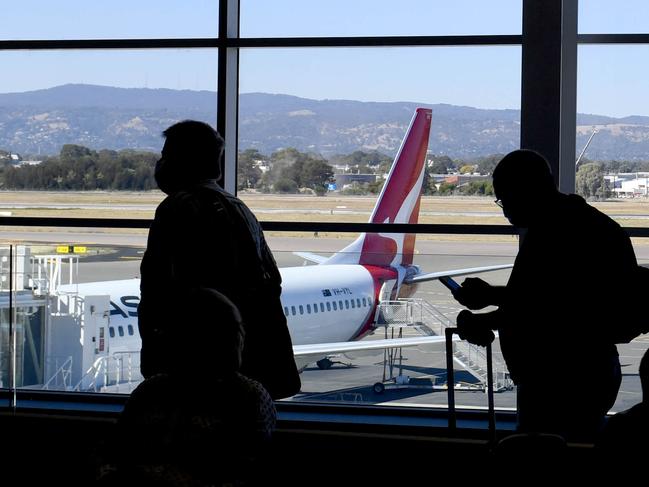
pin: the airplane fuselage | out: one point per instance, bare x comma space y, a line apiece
322, 304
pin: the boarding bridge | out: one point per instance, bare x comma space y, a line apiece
71, 348
427, 319
22, 322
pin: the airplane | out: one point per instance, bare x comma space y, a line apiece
332, 305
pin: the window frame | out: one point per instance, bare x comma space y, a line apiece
549, 39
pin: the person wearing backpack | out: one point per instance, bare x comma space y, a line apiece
202, 236
558, 317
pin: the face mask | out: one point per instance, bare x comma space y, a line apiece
168, 175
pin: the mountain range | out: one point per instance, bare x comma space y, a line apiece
102, 117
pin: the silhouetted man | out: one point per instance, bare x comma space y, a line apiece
556, 314
204, 236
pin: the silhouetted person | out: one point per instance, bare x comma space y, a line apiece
556, 315
625, 438
203, 236
201, 422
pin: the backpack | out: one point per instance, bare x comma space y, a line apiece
634, 321
268, 351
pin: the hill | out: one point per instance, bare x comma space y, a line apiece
41, 121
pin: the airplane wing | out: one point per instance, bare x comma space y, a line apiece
318, 259
457, 272
323, 349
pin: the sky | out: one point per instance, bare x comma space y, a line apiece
610, 78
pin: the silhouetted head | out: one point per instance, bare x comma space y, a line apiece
210, 332
643, 372
523, 183
192, 153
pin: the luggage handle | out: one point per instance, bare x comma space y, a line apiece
450, 386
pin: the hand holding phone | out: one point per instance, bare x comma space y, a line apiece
449, 283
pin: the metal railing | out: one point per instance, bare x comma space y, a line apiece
118, 372
428, 319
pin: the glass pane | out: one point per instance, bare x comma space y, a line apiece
100, 289
291, 18
79, 19
6, 328
77, 120
75, 298
354, 377
613, 17
631, 353
74, 303
613, 129
339, 101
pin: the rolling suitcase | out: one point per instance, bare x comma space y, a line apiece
450, 381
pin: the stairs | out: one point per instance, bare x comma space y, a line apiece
428, 319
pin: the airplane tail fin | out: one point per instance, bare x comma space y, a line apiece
398, 203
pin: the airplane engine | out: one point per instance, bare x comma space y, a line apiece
408, 290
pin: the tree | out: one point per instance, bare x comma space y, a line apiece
73, 152
248, 171
429, 186
467, 169
486, 165
361, 158
589, 181
446, 189
441, 164
316, 174
480, 188
376, 187
285, 186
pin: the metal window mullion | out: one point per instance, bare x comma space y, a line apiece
228, 90
83, 44
568, 97
613, 38
376, 41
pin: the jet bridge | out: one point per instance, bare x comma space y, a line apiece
51, 336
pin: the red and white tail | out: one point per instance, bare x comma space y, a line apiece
398, 203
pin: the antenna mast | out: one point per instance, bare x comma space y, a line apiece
585, 147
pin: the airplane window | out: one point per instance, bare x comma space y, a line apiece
358, 302
322, 307
315, 307
308, 308
340, 303
293, 310
335, 308
130, 329
286, 310
346, 304
301, 309
120, 330
353, 304
111, 332
329, 306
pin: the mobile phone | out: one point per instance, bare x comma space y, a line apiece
449, 283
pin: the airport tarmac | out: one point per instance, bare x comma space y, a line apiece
351, 380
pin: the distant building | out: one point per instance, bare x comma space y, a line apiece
629, 185
459, 179
343, 180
